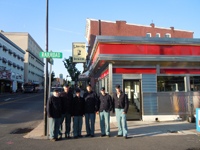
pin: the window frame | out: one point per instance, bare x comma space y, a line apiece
148, 34
170, 75
167, 34
158, 34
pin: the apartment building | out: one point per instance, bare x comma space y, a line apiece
33, 64
11, 66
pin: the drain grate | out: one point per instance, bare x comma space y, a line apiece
22, 131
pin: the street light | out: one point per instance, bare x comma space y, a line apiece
46, 73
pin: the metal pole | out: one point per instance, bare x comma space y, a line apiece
46, 75
49, 97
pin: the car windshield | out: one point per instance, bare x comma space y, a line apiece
59, 89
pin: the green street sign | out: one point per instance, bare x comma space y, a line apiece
50, 55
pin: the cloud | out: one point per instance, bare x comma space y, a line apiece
64, 30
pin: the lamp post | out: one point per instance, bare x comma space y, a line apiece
46, 74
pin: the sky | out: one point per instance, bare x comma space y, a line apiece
67, 19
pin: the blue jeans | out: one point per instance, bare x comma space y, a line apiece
90, 117
123, 130
105, 118
77, 125
54, 127
67, 118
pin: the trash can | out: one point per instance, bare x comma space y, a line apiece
198, 119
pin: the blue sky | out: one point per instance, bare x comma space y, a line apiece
67, 19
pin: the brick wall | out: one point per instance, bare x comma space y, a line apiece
121, 28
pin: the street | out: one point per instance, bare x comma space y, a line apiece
25, 111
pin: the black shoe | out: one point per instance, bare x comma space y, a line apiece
60, 138
68, 137
125, 137
102, 135
87, 135
75, 137
118, 136
92, 136
80, 136
108, 136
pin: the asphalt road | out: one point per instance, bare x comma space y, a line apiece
26, 111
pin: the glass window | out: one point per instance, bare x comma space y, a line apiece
148, 35
170, 83
195, 83
157, 34
167, 35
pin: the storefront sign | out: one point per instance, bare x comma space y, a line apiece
79, 52
5, 75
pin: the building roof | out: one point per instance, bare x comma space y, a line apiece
21, 34
11, 43
88, 25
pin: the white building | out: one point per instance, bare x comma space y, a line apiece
33, 64
11, 65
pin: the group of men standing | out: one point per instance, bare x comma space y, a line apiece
63, 106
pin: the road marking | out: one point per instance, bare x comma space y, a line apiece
7, 99
19, 99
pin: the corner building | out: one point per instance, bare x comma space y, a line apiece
160, 75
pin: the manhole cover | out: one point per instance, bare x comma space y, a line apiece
21, 131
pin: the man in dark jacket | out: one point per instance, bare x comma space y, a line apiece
105, 106
120, 107
54, 114
91, 107
66, 103
78, 113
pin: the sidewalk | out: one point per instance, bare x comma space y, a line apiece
135, 129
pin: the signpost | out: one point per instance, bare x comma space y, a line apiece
49, 58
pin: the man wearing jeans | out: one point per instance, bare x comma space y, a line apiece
105, 106
54, 114
120, 107
66, 102
91, 107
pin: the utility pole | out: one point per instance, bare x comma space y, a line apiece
49, 94
46, 75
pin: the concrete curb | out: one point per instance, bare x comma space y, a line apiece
135, 129
37, 133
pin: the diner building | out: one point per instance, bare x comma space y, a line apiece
160, 75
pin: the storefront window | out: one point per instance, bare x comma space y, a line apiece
170, 83
195, 83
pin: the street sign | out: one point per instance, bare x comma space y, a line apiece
50, 55
79, 52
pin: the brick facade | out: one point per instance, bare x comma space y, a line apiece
122, 28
